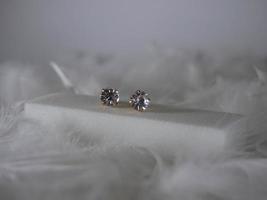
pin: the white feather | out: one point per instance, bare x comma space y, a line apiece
65, 162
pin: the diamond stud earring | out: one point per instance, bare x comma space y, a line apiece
139, 100
109, 96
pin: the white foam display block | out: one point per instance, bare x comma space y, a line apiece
162, 128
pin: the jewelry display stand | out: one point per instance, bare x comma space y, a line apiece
166, 129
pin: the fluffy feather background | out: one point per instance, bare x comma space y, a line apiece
68, 162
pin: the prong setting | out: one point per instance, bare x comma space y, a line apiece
109, 96
139, 100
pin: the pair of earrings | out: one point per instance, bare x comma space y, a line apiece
139, 100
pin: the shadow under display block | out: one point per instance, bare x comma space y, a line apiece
168, 130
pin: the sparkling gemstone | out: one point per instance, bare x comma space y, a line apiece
109, 96
139, 100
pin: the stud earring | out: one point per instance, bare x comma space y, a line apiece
139, 100
109, 96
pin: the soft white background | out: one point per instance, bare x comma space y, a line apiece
153, 45
41, 29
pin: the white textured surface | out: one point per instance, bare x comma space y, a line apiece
70, 162
167, 130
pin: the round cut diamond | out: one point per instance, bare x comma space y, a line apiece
109, 96
139, 100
